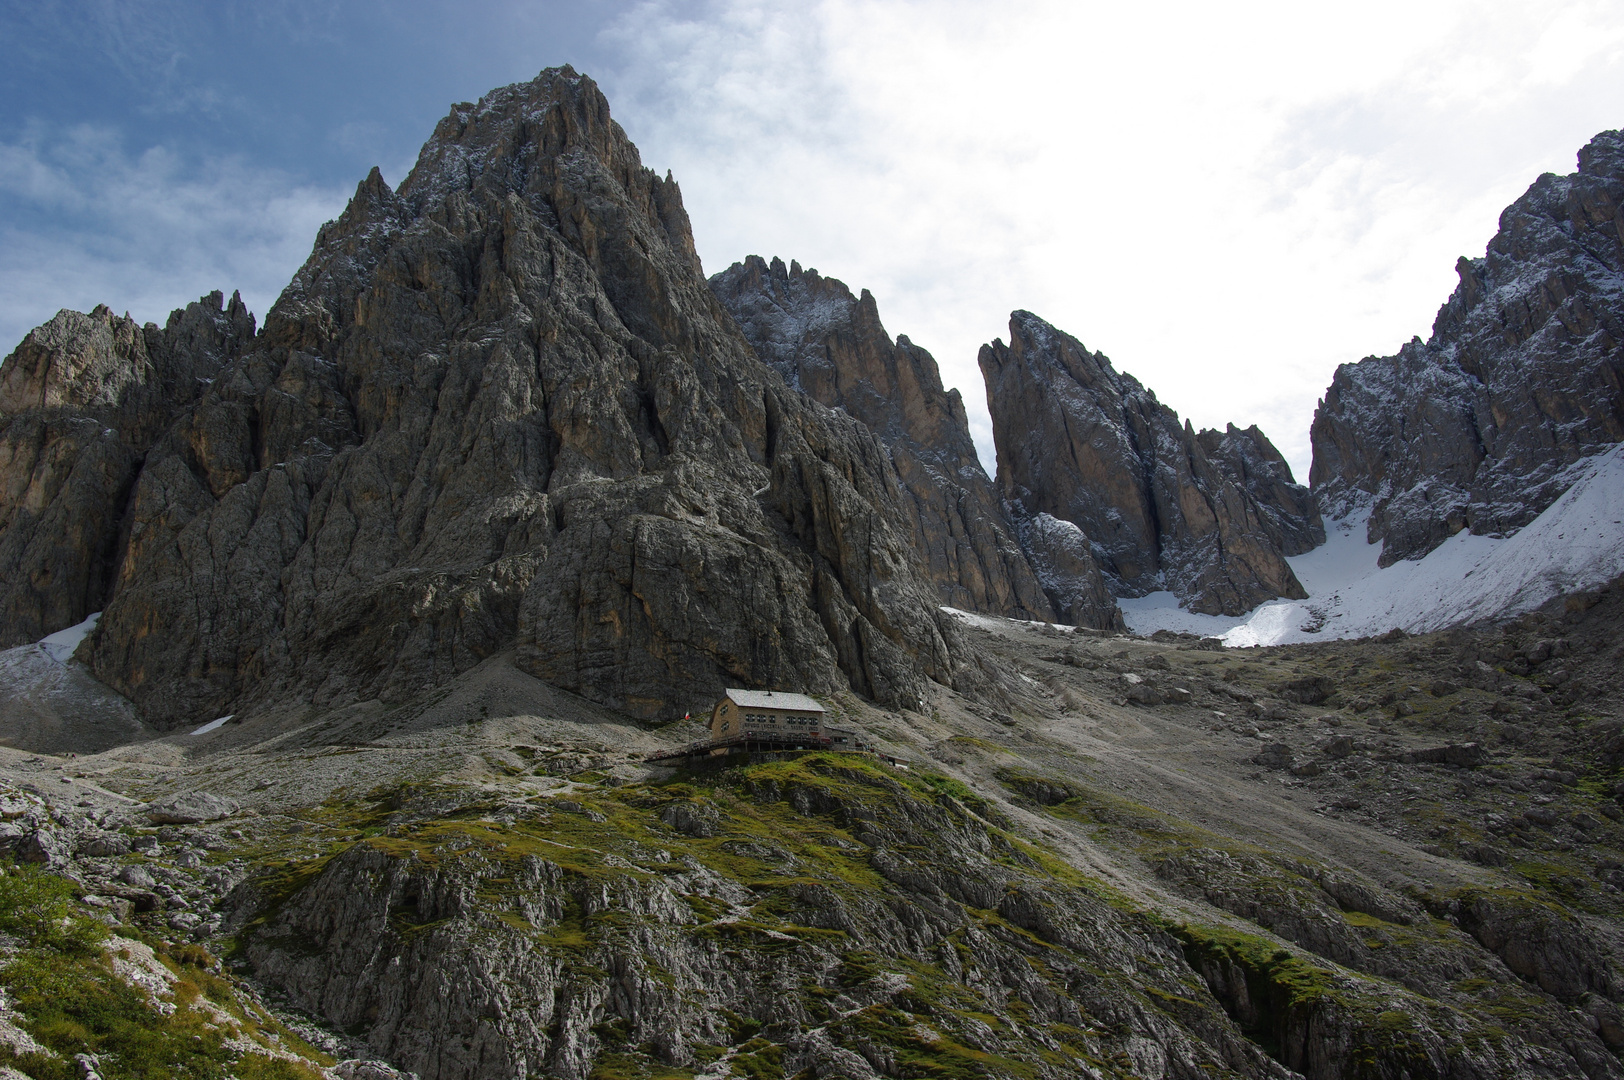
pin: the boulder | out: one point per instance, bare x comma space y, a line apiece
105, 845
698, 819
1337, 747
1274, 756
1543, 816
137, 876
43, 846
16, 805
1308, 690
1144, 693
1465, 755
189, 808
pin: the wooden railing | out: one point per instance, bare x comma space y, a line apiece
749, 741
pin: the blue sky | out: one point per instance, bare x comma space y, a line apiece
317, 90
151, 150
1229, 199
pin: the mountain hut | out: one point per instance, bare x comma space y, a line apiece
769, 713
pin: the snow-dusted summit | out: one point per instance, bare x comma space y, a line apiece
1523, 376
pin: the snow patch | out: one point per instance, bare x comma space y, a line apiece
1577, 543
997, 622
213, 725
60, 645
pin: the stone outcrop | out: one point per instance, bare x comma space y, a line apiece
82, 399
496, 410
514, 961
832, 346
1522, 376
1210, 517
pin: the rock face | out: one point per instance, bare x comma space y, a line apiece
1522, 376
499, 409
1290, 517
82, 399
832, 346
1210, 517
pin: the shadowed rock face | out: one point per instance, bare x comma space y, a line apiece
832, 346
81, 401
1522, 376
500, 409
1080, 442
1249, 460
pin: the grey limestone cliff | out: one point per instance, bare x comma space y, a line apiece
1523, 375
1288, 511
832, 346
82, 400
1093, 463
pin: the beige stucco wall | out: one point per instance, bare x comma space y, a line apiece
728, 718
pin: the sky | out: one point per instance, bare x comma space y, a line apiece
1228, 200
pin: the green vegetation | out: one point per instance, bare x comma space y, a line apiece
1286, 985
37, 906
68, 995
1288, 994
776, 867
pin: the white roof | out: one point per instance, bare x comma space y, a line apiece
772, 699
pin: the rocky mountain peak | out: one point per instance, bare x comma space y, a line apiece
1522, 376
539, 140
1084, 444
1603, 155
1251, 462
82, 400
76, 361
832, 346
497, 416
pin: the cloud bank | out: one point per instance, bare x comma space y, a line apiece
1229, 200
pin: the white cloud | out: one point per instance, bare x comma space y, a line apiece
145, 232
1227, 199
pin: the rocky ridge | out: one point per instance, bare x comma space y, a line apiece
83, 399
1523, 374
832, 346
1087, 456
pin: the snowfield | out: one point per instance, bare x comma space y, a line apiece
1577, 543
51, 703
